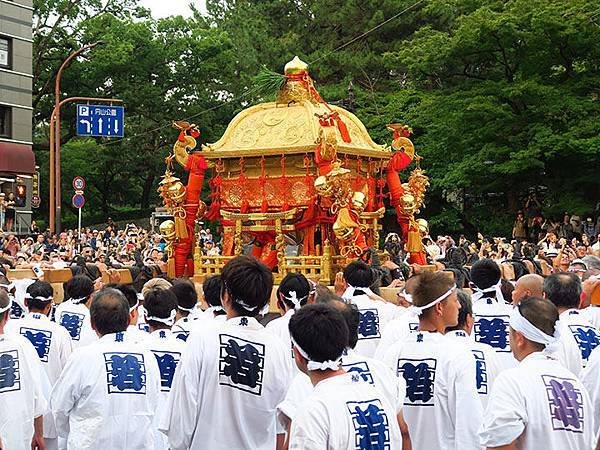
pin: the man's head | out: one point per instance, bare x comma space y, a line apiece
246, 286
529, 285
430, 287
592, 262
38, 298
321, 333
211, 289
155, 283
132, 300
465, 315
186, 295
4, 308
578, 267
405, 295
358, 274
293, 291
161, 308
542, 315
485, 273
563, 290
352, 317
79, 289
40, 238
109, 312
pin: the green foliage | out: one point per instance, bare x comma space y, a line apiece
502, 95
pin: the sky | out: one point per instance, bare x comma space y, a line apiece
164, 8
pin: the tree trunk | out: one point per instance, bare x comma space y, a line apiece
148, 185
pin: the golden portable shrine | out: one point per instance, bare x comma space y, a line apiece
294, 171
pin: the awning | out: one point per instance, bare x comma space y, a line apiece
16, 158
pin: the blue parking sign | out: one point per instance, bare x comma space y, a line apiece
100, 120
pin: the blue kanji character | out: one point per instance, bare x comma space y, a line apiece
73, 324
144, 327
565, 405
371, 425
586, 337
9, 371
127, 373
242, 363
182, 335
167, 363
419, 379
162, 334
16, 312
368, 327
361, 369
480, 371
244, 321
119, 336
420, 337
40, 339
493, 332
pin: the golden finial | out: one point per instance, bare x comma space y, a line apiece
296, 65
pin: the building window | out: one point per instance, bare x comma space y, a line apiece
5, 45
5, 120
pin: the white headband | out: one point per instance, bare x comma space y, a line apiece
39, 297
137, 303
192, 309
478, 293
8, 286
78, 300
293, 297
140, 296
418, 310
408, 297
167, 321
316, 365
7, 307
533, 333
349, 292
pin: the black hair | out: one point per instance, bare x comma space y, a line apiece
324, 294
37, 291
247, 280
541, 313
109, 311
159, 303
4, 301
185, 294
128, 291
485, 273
321, 331
80, 286
466, 310
293, 282
212, 290
563, 289
506, 287
352, 317
358, 274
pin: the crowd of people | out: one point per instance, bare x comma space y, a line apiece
460, 361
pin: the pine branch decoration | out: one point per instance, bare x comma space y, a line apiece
268, 82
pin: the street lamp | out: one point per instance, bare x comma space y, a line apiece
55, 194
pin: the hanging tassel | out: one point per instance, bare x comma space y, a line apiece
264, 207
171, 267
180, 226
343, 129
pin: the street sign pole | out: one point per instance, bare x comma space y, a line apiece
79, 227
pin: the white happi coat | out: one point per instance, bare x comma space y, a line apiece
75, 317
541, 405
135, 335
234, 369
592, 313
182, 327
442, 407
575, 327
167, 349
343, 412
280, 327
491, 327
209, 313
21, 392
52, 344
369, 370
18, 309
590, 377
397, 330
107, 396
487, 366
374, 317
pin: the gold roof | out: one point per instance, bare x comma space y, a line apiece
276, 128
